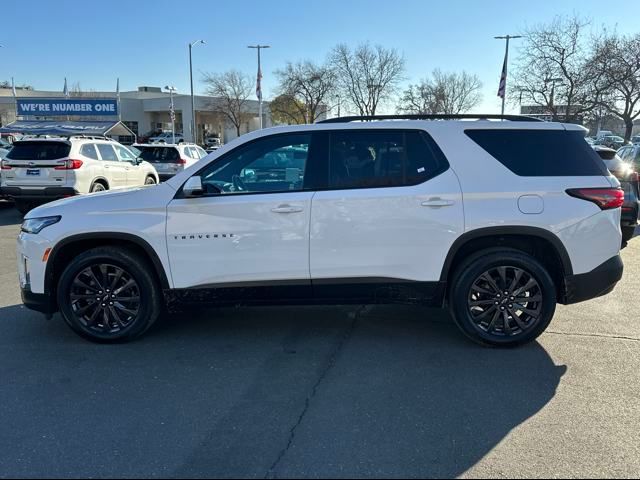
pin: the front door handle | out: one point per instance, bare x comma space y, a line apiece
287, 209
438, 203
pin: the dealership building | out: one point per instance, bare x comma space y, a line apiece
147, 110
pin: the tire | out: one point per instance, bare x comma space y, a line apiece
150, 181
98, 187
24, 206
472, 298
132, 318
627, 234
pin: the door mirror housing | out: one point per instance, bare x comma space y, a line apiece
193, 187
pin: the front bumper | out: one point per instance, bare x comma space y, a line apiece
599, 281
46, 193
40, 302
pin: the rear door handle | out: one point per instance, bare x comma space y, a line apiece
438, 203
287, 209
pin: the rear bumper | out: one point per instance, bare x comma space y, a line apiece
599, 281
42, 193
40, 302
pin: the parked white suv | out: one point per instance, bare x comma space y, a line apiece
169, 159
498, 220
39, 170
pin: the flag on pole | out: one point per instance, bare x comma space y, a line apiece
13, 88
502, 89
65, 89
259, 84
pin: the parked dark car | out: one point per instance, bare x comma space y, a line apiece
612, 141
627, 174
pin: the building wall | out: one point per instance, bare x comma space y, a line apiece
147, 110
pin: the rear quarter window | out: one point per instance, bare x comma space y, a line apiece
39, 151
540, 153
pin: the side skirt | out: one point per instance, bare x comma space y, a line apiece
318, 292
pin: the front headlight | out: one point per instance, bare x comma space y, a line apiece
36, 225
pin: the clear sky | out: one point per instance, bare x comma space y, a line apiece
145, 42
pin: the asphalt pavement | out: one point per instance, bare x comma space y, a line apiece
320, 392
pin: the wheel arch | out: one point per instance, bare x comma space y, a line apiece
70, 246
542, 244
102, 180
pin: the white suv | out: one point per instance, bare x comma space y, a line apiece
498, 220
38, 170
170, 159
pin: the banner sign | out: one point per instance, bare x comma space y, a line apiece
54, 107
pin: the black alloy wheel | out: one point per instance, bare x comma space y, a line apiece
105, 298
505, 301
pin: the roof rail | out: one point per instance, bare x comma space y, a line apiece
368, 118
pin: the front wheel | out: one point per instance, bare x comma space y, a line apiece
24, 206
502, 298
107, 295
627, 234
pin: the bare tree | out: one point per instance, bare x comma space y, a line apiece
367, 76
231, 91
552, 69
616, 61
447, 93
310, 85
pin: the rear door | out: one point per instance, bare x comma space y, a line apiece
392, 211
33, 163
114, 169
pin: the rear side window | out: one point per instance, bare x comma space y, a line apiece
540, 153
39, 151
159, 154
89, 151
107, 152
382, 158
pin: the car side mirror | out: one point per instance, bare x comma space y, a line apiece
193, 187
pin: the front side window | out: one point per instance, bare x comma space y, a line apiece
107, 152
382, 158
125, 154
273, 164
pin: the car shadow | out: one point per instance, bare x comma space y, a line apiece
8, 214
279, 392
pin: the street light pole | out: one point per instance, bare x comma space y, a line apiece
172, 113
259, 79
508, 38
194, 134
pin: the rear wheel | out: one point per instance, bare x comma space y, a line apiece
107, 295
627, 234
502, 298
98, 187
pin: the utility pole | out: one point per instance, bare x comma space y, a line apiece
194, 134
502, 92
259, 79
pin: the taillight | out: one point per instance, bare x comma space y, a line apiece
69, 165
4, 166
181, 161
605, 198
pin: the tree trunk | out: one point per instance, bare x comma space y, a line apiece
628, 130
238, 130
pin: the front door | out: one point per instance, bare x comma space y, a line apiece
392, 211
114, 169
251, 227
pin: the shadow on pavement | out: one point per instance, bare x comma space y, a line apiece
287, 392
8, 214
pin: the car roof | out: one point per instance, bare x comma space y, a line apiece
166, 145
